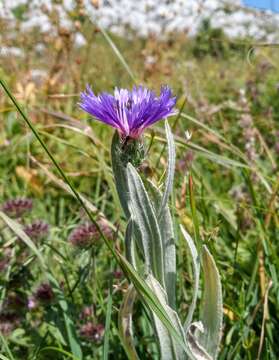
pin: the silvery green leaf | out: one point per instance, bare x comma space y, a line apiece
197, 352
120, 175
143, 214
125, 321
170, 170
169, 348
168, 240
212, 310
129, 243
196, 274
151, 300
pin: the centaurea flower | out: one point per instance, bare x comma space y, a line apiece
130, 112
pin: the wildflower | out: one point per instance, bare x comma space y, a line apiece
85, 234
130, 112
44, 293
92, 332
32, 303
17, 207
86, 312
37, 230
9, 321
118, 274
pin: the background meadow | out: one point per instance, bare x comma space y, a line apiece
228, 99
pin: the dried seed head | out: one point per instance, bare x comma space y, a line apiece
37, 230
17, 207
245, 120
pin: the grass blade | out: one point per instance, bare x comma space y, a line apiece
117, 52
125, 321
107, 326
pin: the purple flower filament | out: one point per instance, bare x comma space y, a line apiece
130, 112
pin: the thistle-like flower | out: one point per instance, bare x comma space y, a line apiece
44, 293
85, 234
92, 332
17, 207
36, 230
130, 112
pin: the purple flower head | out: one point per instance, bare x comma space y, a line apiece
37, 230
44, 293
130, 112
85, 234
92, 332
17, 207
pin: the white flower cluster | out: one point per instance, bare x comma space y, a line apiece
160, 17
156, 17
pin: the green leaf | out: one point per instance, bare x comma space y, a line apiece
6, 347
17, 229
170, 170
69, 323
2, 357
108, 323
194, 213
125, 321
151, 300
61, 351
129, 243
144, 218
169, 348
196, 274
212, 310
168, 240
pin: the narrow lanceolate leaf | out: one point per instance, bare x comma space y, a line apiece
120, 175
196, 274
169, 348
129, 244
125, 321
151, 300
196, 351
171, 169
143, 215
168, 241
108, 325
212, 311
68, 320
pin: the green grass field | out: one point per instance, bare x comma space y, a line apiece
228, 99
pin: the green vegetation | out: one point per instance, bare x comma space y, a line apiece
229, 103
